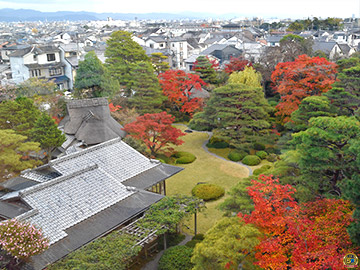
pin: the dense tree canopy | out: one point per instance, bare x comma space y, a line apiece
177, 86
301, 78
229, 244
248, 76
36, 86
328, 152
19, 115
146, 95
205, 69
237, 64
120, 53
155, 131
239, 113
298, 236
15, 153
159, 62
45, 132
93, 80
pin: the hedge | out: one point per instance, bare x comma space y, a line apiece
251, 160
259, 146
218, 145
237, 155
261, 154
184, 157
208, 192
262, 169
176, 258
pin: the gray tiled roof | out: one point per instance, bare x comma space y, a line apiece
65, 201
114, 156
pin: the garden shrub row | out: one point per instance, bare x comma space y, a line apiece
176, 258
208, 192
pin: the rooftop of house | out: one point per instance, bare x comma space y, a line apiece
89, 120
81, 196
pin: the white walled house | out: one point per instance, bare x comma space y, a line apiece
156, 42
41, 62
179, 50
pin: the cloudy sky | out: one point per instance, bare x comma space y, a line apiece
262, 8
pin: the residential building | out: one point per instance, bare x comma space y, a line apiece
38, 62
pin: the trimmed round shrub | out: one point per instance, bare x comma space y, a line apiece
271, 158
208, 192
192, 243
262, 154
259, 146
262, 169
237, 155
251, 160
176, 258
184, 157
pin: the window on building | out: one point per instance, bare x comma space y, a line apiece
50, 57
35, 73
55, 71
34, 57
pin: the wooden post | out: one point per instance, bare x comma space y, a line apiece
195, 221
164, 188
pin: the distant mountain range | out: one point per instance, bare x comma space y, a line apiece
15, 15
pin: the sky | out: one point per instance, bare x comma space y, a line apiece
251, 8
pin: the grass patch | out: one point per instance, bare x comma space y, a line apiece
206, 168
221, 152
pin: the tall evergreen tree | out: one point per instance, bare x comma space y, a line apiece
93, 80
14, 153
240, 113
345, 94
19, 115
328, 153
159, 63
121, 51
205, 69
47, 134
147, 95
313, 106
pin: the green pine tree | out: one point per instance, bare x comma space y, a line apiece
147, 95
47, 134
121, 51
240, 113
205, 70
19, 115
93, 80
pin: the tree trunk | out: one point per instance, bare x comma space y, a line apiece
165, 246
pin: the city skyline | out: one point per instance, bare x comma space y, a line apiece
256, 8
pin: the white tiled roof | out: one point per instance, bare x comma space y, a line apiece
61, 203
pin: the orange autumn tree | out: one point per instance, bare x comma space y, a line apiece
177, 86
297, 236
294, 81
155, 131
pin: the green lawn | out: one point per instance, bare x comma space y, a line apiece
206, 168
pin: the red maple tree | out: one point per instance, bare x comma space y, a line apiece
237, 64
294, 81
155, 131
176, 86
297, 236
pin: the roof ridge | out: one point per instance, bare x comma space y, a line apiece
57, 180
84, 151
27, 214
